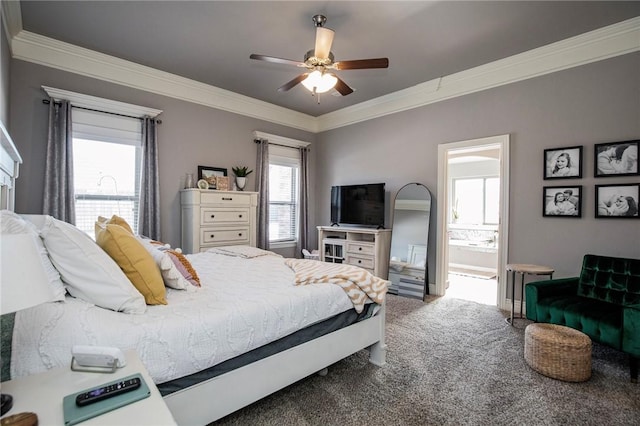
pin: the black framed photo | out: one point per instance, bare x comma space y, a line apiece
563, 163
618, 201
562, 201
616, 159
210, 174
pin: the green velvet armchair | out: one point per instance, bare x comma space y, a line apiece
603, 302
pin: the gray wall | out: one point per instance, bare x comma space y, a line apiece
595, 103
581, 106
5, 71
190, 135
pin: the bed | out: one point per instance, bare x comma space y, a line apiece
245, 333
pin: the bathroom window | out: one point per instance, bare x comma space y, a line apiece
476, 201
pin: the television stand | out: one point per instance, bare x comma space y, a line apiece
367, 248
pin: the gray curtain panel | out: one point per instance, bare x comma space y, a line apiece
59, 200
262, 175
149, 210
304, 202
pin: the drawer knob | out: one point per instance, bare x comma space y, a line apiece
212, 236
212, 216
360, 248
239, 215
239, 234
359, 261
227, 198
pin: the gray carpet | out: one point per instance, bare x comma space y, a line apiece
450, 362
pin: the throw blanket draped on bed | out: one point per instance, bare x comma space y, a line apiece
358, 283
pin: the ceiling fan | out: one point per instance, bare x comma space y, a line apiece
319, 63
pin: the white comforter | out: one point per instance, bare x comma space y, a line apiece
242, 304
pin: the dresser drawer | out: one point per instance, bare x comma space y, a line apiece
360, 248
217, 216
228, 236
225, 198
361, 261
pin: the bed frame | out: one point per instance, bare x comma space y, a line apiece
219, 396
213, 399
9, 165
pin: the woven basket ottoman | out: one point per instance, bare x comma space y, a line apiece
558, 352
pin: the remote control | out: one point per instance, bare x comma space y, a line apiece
104, 392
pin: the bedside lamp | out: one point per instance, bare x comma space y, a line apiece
23, 281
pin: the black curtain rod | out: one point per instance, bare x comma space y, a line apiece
277, 144
47, 101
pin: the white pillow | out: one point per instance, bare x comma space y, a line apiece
11, 223
87, 271
170, 274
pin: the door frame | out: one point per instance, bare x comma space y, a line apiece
442, 240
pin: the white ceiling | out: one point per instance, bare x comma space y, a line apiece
210, 41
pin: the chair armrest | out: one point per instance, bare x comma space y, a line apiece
631, 330
538, 290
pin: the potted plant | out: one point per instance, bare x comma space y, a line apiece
241, 176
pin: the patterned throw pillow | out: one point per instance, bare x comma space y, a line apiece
171, 275
185, 267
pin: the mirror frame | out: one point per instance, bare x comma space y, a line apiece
392, 219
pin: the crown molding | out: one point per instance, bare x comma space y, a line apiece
11, 18
607, 42
53, 53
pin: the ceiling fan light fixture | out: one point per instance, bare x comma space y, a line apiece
324, 39
318, 82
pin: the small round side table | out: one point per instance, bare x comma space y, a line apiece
523, 269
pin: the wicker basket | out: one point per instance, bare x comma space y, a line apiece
558, 352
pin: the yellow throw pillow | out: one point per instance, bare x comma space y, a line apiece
115, 220
134, 260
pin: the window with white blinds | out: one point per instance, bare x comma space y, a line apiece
284, 170
106, 163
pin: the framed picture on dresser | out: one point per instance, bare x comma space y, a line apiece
210, 174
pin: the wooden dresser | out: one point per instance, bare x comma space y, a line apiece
217, 218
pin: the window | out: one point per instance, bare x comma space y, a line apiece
476, 200
106, 167
284, 167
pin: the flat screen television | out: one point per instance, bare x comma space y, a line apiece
358, 204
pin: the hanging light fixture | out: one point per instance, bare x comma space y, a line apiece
319, 82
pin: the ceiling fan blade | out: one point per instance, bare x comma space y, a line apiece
360, 64
342, 87
324, 39
276, 60
292, 83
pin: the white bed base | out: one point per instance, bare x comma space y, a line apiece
9, 165
213, 399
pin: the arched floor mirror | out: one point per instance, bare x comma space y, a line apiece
408, 271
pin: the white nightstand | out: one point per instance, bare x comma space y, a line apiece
43, 393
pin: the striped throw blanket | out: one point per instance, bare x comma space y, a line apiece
359, 284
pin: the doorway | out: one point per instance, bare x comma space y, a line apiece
472, 219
